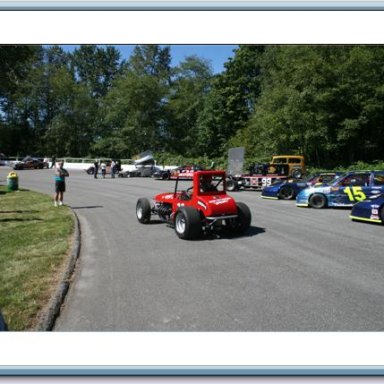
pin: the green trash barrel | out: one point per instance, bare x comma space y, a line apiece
12, 181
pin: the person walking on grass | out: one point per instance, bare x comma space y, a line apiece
60, 175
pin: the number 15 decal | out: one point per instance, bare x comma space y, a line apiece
355, 193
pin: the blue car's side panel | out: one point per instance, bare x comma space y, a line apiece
369, 210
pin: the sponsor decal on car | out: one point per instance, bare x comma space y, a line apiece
218, 201
170, 196
202, 204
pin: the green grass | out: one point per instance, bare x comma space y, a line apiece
35, 239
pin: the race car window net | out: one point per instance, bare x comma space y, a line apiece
214, 184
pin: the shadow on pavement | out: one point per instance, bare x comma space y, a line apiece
89, 207
252, 231
156, 222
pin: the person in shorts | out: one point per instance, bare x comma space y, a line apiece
60, 175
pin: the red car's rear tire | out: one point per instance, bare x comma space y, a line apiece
243, 220
188, 223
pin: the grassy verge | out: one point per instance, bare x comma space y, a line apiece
34, 242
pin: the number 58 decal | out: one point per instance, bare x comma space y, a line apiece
355, 193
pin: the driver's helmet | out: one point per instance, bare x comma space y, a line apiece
206, 182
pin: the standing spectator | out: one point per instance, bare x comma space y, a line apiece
113, 169
60, 175
103, 167
53, 161
118, 166
3, 325
96, 170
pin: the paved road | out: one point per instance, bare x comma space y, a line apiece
296, 270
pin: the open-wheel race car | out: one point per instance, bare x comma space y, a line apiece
197, 209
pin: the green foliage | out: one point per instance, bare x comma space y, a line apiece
188, 92
318, 101
231, 101
325, 102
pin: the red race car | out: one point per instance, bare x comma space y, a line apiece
196, 209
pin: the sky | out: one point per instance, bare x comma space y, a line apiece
216, 54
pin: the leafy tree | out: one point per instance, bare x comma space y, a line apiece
190, 86
134, 108
231, 101
319, 101
151, 60
96, 67
15, 64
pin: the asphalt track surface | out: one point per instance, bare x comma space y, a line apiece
297, 269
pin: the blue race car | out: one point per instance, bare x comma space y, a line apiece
289, 189
371, 210
344, 191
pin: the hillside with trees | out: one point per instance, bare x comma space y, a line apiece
325, 102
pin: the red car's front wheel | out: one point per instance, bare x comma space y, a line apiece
143, 211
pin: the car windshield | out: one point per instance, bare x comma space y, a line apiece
359, 179
321, 178
337, 180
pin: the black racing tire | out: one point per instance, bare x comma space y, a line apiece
91, 171
318, 201
143, 211
188, 223
231, 185
286, 193
243, 220
166, 176
297, 173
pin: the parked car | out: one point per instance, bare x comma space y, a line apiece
288, 189
295, 165
371, 210
29, 163
184, 172
260, 176
345, 191
201, 207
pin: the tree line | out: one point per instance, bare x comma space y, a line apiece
325, 102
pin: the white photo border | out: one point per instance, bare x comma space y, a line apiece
192, 353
